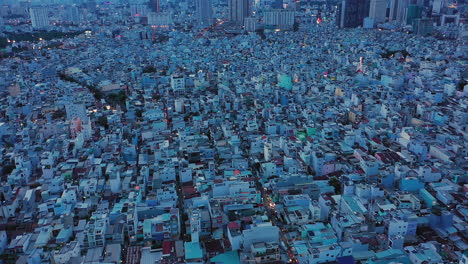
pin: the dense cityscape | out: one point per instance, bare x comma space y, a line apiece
233, 131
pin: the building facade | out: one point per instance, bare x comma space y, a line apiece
204, 12
351, 13
39, 17
239, 10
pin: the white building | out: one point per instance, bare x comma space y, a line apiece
168, 173
397, 227
284, 19
264, 232
138, 10
185, 175
239, 10
178, 84
378, 10
161, 20
179, 105
72, 15
39, 17
204, 12
76, 110
464, 259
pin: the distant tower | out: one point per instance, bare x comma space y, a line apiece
398, 10
72, 15
422, 26
154, 6
279, 17
138, 10
90, 5
378, 10
413, 12
250, 24
437, 6
238, 10
277, 4
39, 17
204, 12
351, 13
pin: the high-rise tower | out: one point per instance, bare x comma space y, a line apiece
39, 17
72, 15
351, 13
204, 12
154, 6
378, 10
398, 10
238, 10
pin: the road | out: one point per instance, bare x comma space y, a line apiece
271, 210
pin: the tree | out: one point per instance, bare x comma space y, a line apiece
156, 97
35, 36
261, 33
232, 216
436, 210
7, 169
139, 113
295, 26
97, 93
461, 84
156, 244
149, 69
117, 98
102, 121
294, 191
59, 114
335, 182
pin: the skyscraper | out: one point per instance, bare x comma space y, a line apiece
72, 15
250, 24
378, 10
204, 12
90, 5
161, 19
238, 10
277, 4
138, 9
39, 17
422, 26
398, 10
351, 13
437, 6
154, 6
413, 12
282, 18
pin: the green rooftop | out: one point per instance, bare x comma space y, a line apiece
230, 257
193, 250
